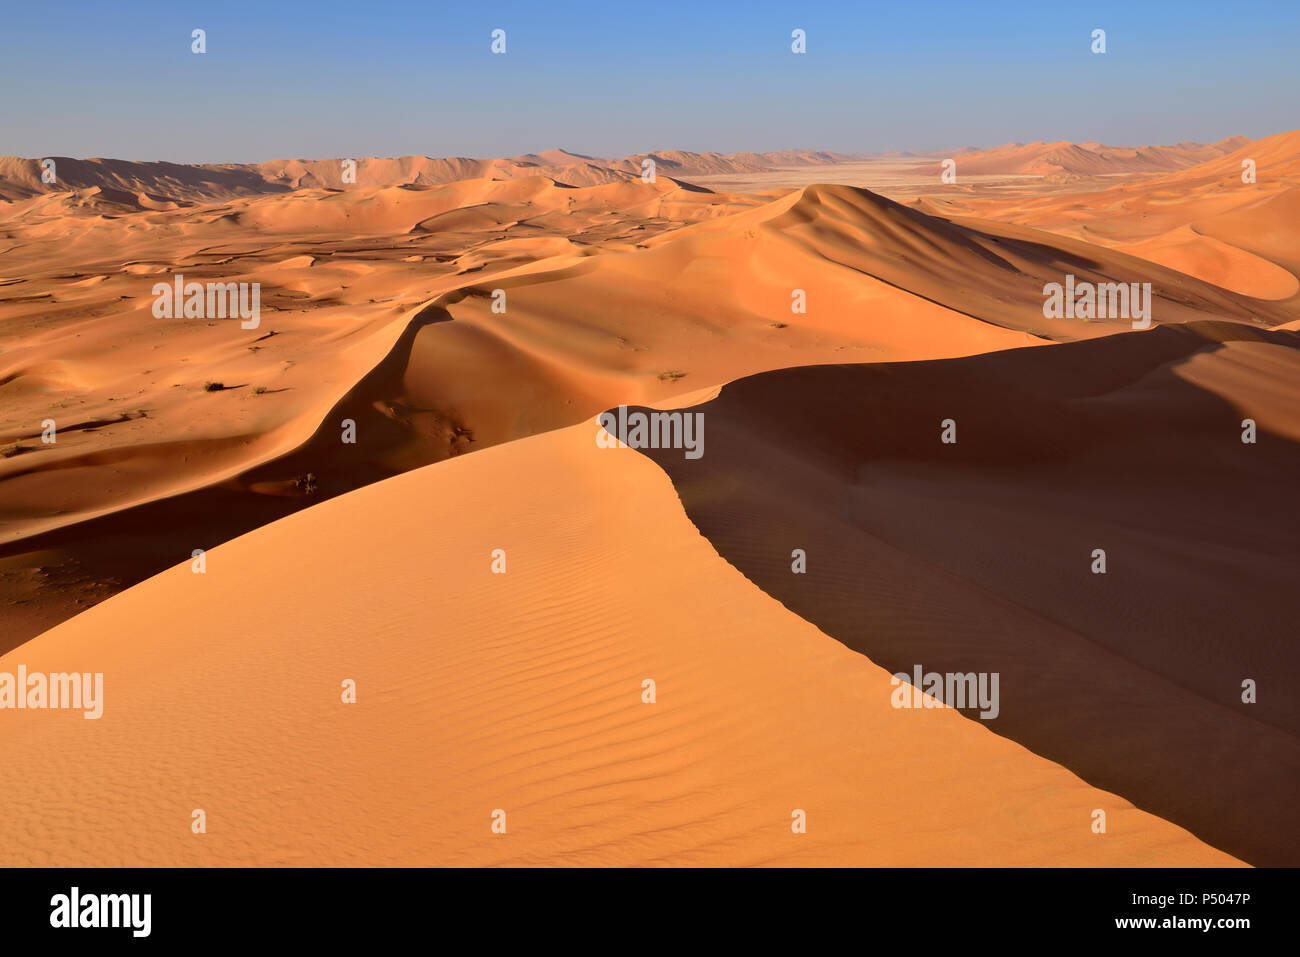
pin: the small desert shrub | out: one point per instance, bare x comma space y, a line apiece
306, 482
213, 386
670, 375
259, 390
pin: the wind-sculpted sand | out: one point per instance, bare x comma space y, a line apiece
520, 692
979, 556
440, 307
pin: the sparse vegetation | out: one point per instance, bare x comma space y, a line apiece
213, 386
670, 375
9, 451
779, 325
306, 483
258, 390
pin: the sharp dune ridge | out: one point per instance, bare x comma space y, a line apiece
975, 557
423, 389
523, 693
452, 306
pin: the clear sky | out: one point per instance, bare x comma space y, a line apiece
612, 77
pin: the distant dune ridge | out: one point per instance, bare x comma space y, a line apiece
438, 307
1086, 159
1203, 220
21, 178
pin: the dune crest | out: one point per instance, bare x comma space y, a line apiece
980, 555
534, 707
906, 455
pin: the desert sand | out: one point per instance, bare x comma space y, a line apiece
976, 557
519, 691
522, 691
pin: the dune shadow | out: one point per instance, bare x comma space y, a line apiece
981, 556
130, 545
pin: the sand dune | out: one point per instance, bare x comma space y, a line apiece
1188, 250
441, 307
522, 692
21, 178
419, 388
162, 182
343, 277
1085, 159
684, 163
996, 274
380, 312
978, 556
1203, 220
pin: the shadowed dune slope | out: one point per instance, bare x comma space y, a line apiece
994, 271
148, 460
978, 556
520, 691
407, 347
381, 309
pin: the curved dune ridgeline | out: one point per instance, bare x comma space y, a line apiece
978, 556
1098, 535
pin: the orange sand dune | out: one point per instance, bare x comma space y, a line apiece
685, 163
993, 272
1085, 159
520, 692
342, 279
1190, 251
978, 556
380, 312
431, 171
157, 182
185, 184
347, 280
446, 306
1203, 220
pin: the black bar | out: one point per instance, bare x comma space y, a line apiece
330, 907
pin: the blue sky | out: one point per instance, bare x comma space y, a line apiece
329, 79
